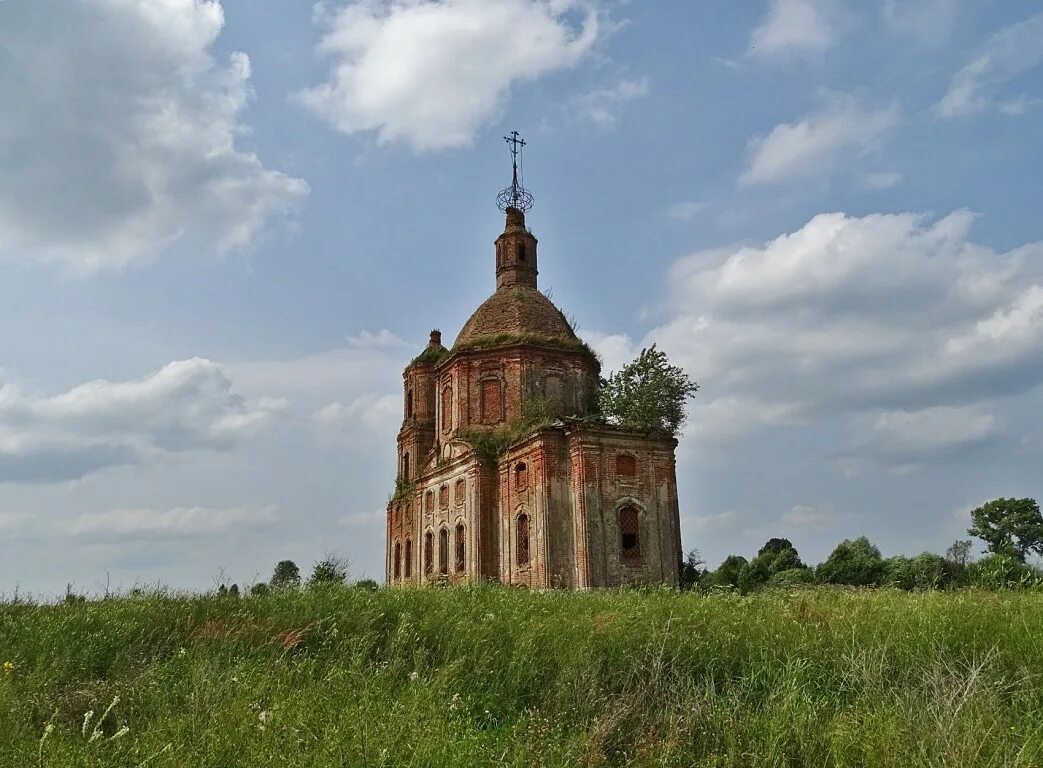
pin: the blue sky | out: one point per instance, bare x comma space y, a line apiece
225, 227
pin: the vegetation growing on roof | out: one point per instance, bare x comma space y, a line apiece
648, 394
431, 356
404, 490
537, 413
494, 340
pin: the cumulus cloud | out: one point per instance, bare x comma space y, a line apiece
429, 73
119, 135
898, 320
187, 405
793, 27
177, 522
903, 440
1006, 54
813, 145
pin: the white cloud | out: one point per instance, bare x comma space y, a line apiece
377, 412
429, 73
685, 211
812, 145
928, 21
187, 405
804, 516
881, 180
375, 518
602, 105
616, 350
902, 322
1004, 55
382, 338
903, 440
120, 134
797, 27
177, 522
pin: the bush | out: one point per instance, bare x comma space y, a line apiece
753, 575
331, 571
792, 577
367, 584
925, 571
1003, 572
856, 562
259, 589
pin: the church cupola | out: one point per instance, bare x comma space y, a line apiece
515, 253
516, 247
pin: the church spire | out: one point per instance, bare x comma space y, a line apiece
515, 196
516, 247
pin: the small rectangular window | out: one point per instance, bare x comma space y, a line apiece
626, 465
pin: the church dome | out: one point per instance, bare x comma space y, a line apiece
517, 311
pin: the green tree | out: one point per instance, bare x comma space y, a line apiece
727, 573
753, 575
1009, 526
775, 546
330, 571
959, 553
260, 589
691, 569
648, 394
285, 575
855, 561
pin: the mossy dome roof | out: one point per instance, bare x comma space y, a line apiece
517, 310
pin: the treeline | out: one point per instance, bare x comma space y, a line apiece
1012, 529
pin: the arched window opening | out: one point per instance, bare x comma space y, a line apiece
409, 558
461, 491
521, 475
521, 251
626, 465
447, 409
405, 466
409, 514
398, 515
492, 401
629, 533
443, 551
461, 548
398, 561
429, 554
443, 496
523, 539
429, 500
409, 404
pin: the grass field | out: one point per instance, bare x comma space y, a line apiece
346, 677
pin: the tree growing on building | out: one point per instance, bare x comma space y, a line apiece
648, 394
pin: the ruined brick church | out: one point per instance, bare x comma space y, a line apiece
573, 502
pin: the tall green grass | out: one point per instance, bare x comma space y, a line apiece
485, 676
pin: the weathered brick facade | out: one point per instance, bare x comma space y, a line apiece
568, 503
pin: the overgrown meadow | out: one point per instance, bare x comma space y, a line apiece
344, 676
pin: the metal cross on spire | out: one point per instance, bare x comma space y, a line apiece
515, 196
